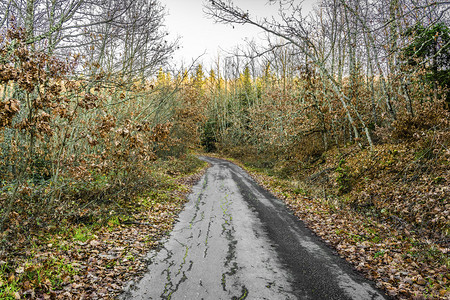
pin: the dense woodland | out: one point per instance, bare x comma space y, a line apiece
346, 108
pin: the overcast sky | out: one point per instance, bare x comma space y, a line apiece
199, 34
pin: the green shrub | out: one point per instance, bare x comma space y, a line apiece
343, 179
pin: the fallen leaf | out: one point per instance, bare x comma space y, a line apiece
420, 281
11, 278
27, 285
94, 243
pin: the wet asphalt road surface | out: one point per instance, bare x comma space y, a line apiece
234, 240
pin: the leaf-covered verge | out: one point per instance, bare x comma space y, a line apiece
93, 255
385, 211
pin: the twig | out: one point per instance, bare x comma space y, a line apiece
138, 223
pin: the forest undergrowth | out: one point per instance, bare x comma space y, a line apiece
94, 253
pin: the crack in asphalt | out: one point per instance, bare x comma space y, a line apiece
227, 231
198, 201
170, 288
205, 252
244, 294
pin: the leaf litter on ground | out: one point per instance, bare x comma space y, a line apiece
95, 261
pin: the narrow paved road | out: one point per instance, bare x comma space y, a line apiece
236, 241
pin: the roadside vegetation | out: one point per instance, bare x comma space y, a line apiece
95, 151
94, 253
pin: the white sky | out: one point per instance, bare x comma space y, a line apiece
199, 34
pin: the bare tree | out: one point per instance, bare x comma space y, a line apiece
294, 29
102, 29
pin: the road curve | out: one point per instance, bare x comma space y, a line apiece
234, 240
